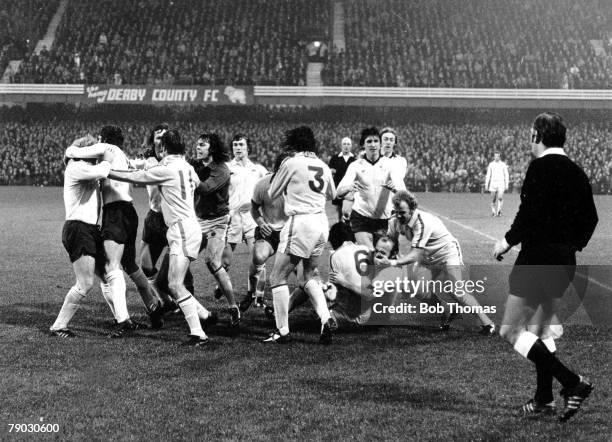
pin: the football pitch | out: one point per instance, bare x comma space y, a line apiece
407, 382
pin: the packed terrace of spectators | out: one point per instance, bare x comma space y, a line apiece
22, 24
179, 42
475, 44
442, 156
412, 43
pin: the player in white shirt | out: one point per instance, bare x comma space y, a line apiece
349, 288
80, 234
307, 184
269, 214
388, 143
433, 246
119, 233
177, 181
373, 179
243, 176
496, 183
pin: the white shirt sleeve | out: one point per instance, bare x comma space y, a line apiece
83, 171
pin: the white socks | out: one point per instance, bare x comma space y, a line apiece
189, 307
317, 297
71, 304
106, 294
117, 294
280, 300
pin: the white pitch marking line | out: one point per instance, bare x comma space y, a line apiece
486, 235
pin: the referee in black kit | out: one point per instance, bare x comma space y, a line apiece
556, 218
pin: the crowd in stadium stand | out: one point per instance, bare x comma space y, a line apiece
179, 42
450, 156
416, 43
475, 44
22, 24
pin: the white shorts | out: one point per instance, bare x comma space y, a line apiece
449, 255
241, 227
498, 188
184, 238
304, 235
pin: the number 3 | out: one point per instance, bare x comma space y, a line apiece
317, 184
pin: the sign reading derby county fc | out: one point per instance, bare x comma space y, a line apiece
197, 95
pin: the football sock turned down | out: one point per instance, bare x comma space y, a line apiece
317, 297
144, 289
106, 294
280, 299
531, 347
71, 304
117, 292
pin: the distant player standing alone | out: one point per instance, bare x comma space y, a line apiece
496, 183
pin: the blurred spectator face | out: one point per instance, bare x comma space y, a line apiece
240, 149
372, 147
202, 149
388, 144
346, 145
157, 140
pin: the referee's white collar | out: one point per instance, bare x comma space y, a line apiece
553, 151
350, 154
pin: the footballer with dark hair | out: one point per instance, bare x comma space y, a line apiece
306, 183
372, 179
556, 219
177, 181
269, 215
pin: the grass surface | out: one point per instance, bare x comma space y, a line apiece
409, 383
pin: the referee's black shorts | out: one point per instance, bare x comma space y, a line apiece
543, 272
154, 229
82, 239
120, 224
361, 223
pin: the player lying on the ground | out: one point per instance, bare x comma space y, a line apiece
496, 182
119, 233
432, 245
306, 183
269, 214
349, 292
80, 234
177, 181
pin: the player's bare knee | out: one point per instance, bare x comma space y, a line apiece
259, 256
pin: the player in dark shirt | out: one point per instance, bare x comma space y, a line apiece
212, 209
338, 165
556, 218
